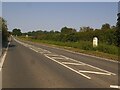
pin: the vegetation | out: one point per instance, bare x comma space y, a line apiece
5, 34
81, 39
81, 47
105, 35
118, 35
16, 32
108, 38
118, 31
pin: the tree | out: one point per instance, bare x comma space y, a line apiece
52, 31
57, 32
85, 29
16, 32
3, 27
66, 30
113, 27
118, 31
105, 26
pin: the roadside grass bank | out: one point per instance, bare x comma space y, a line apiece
103, 50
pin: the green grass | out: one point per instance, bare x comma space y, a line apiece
103, 50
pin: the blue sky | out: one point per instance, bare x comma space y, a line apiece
48, 16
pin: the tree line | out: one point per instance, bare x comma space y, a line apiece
107, 34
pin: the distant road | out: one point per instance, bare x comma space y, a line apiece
29, 65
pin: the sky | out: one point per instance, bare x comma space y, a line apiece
29, 16
60, 0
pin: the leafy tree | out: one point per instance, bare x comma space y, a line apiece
66, 30
16, 32
113, 27
85, 29
105, 26
57, 32
106, 36
3, 27
52, 31
72, 37
118, 31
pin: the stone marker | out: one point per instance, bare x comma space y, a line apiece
95, 42
26, 35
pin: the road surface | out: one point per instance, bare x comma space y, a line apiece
29, 65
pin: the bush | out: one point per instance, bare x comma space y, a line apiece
84, 45
108, 49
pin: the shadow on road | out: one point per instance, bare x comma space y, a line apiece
12, 45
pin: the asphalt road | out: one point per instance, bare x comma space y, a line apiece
29, 65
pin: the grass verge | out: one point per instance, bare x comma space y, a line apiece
104, 51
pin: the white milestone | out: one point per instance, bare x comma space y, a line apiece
95, 42
26, 35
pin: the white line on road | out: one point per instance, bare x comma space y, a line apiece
94, 72
69, 67
33, 49
58, 58
46, 51
53, 57
3, 57
90, 65
72, 63
54, 46
2, 60
100, 69
115, 86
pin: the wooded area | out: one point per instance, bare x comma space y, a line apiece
82, 39
107, 34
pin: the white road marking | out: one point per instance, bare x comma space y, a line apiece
93, 56
3, 57
70, 59
94, 72
72, 63
33, 49
41, 52
79, 53
69, 67
47, 51
54, 46
58, 58
100, 69
115, 86
53, 57
2, 60
92, 66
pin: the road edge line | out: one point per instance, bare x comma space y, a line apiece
114, 86
3, 57
53, 46
93, 56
